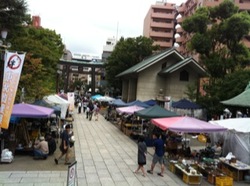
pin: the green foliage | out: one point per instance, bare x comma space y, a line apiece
198, 22
126, 54
232, 85
223, 11
217, 34
44, 48
12, 13
191, 92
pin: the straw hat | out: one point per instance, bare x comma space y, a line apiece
41, 138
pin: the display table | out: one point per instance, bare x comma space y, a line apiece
188, 177
210, 173
127, 128
235, 170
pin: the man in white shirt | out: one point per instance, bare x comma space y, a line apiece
41, 149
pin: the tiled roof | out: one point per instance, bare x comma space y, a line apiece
151, 60
183, 63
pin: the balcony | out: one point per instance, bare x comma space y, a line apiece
211, 3
161, 34
179, 30
164, 44
179, 40
163, 16
244, 5
179, 20
162, 25
181, 9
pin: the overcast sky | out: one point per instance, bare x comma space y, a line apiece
85, 25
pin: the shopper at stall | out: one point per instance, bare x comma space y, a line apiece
217, 149
65, 145
41, 149
159, 148
142, 151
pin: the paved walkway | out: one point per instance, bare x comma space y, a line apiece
105, 157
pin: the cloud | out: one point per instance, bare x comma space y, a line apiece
85, 25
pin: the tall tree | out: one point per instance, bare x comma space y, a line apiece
216, 35
12, 13
126, 54
44, 49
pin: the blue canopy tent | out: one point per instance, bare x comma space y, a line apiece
138, 103
185, 104
150, 102
118, 103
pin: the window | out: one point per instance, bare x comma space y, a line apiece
163, 65
184, 76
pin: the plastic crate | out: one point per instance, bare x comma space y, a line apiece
172, 167
223, 181
191, 179
211, 178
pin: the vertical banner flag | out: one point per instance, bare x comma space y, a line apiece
13, 64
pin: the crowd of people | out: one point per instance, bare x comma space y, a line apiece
89, 108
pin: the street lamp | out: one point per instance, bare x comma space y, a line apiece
3, 46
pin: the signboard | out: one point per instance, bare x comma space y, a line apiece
71, 179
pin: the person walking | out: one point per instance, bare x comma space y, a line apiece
90, 111
65, 146
96, 111
142, 151
159, 148
79, 106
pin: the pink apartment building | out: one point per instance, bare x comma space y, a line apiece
161, 20
159, 24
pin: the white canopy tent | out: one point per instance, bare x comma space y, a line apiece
236, 139
62, 103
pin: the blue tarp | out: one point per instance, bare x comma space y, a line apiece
96, 96
150, 102
138, 103
118, 103
185, 104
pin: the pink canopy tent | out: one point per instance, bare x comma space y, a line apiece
129, 109
186, 124
164, 123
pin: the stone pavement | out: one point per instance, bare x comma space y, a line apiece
105, 157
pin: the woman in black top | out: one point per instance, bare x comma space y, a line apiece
142, 151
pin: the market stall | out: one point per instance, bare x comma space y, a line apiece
60, 102
185, 165
128, 121
236, 138
22, 134
146, 114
